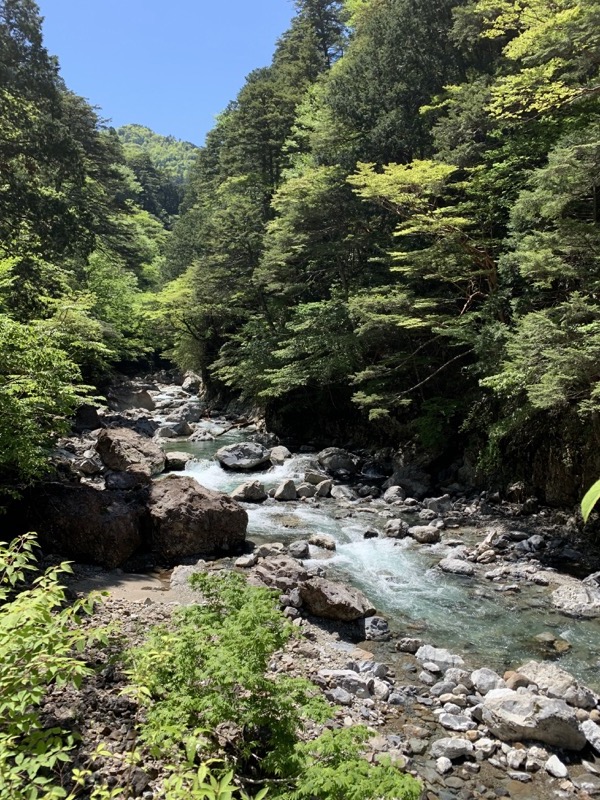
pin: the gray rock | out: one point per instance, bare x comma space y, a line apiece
310, 476
249, 492
339, 696
458, 676
424, 534
324, 598
456, 722
588, 783
591, 731
440, 505
376, 629
394, 494
396, 528
242, 456
443, 658
426, 678
456, 566
175, 461
322, 540
246, 561
352, 682
452, 748
556, 682
342, 493
334, 459
306, 490
577, 600
407, 645
324, 488
280, 572
279, 454
484, 680
299, 549
513, 716
285, 491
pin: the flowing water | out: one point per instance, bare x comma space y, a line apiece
467, 616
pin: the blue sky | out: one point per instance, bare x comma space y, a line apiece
170, 64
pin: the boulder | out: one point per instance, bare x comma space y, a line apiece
299, 549
444, 659
123, 398
279, 454
124, 450
89, 525
324, 488
249, 492
350, 681
438, 504
556, 682
485, 680
192, 383
456, 566
343, 493
577, 600
591, 731
176, 461
87, 419
334, 459
376, 629
514, 716
451, 748
310, 476
394, 494
306, 490
424, 534
242, 456
187, 519
331, 600
322, 540
280, 572
286, 491
396, 529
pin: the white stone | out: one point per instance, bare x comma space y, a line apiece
484, 680
555, 767
443, 765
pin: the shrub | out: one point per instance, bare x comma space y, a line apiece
39, 637
208, 693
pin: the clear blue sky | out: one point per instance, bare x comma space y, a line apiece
169, 64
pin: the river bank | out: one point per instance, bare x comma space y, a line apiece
474, 588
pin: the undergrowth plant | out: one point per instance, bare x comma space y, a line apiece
209, 694
40, 638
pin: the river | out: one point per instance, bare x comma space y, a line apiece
468, 616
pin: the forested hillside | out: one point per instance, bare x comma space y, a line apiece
390, 237
79, 248
394, 226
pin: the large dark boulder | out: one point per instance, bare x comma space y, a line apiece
88, 524
334, 459
186, 519
124, 450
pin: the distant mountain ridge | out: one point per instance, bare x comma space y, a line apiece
167, 153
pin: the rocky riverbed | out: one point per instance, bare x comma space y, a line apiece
439, 619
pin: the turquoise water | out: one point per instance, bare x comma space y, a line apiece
465, 615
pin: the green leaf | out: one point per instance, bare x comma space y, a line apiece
590, 499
